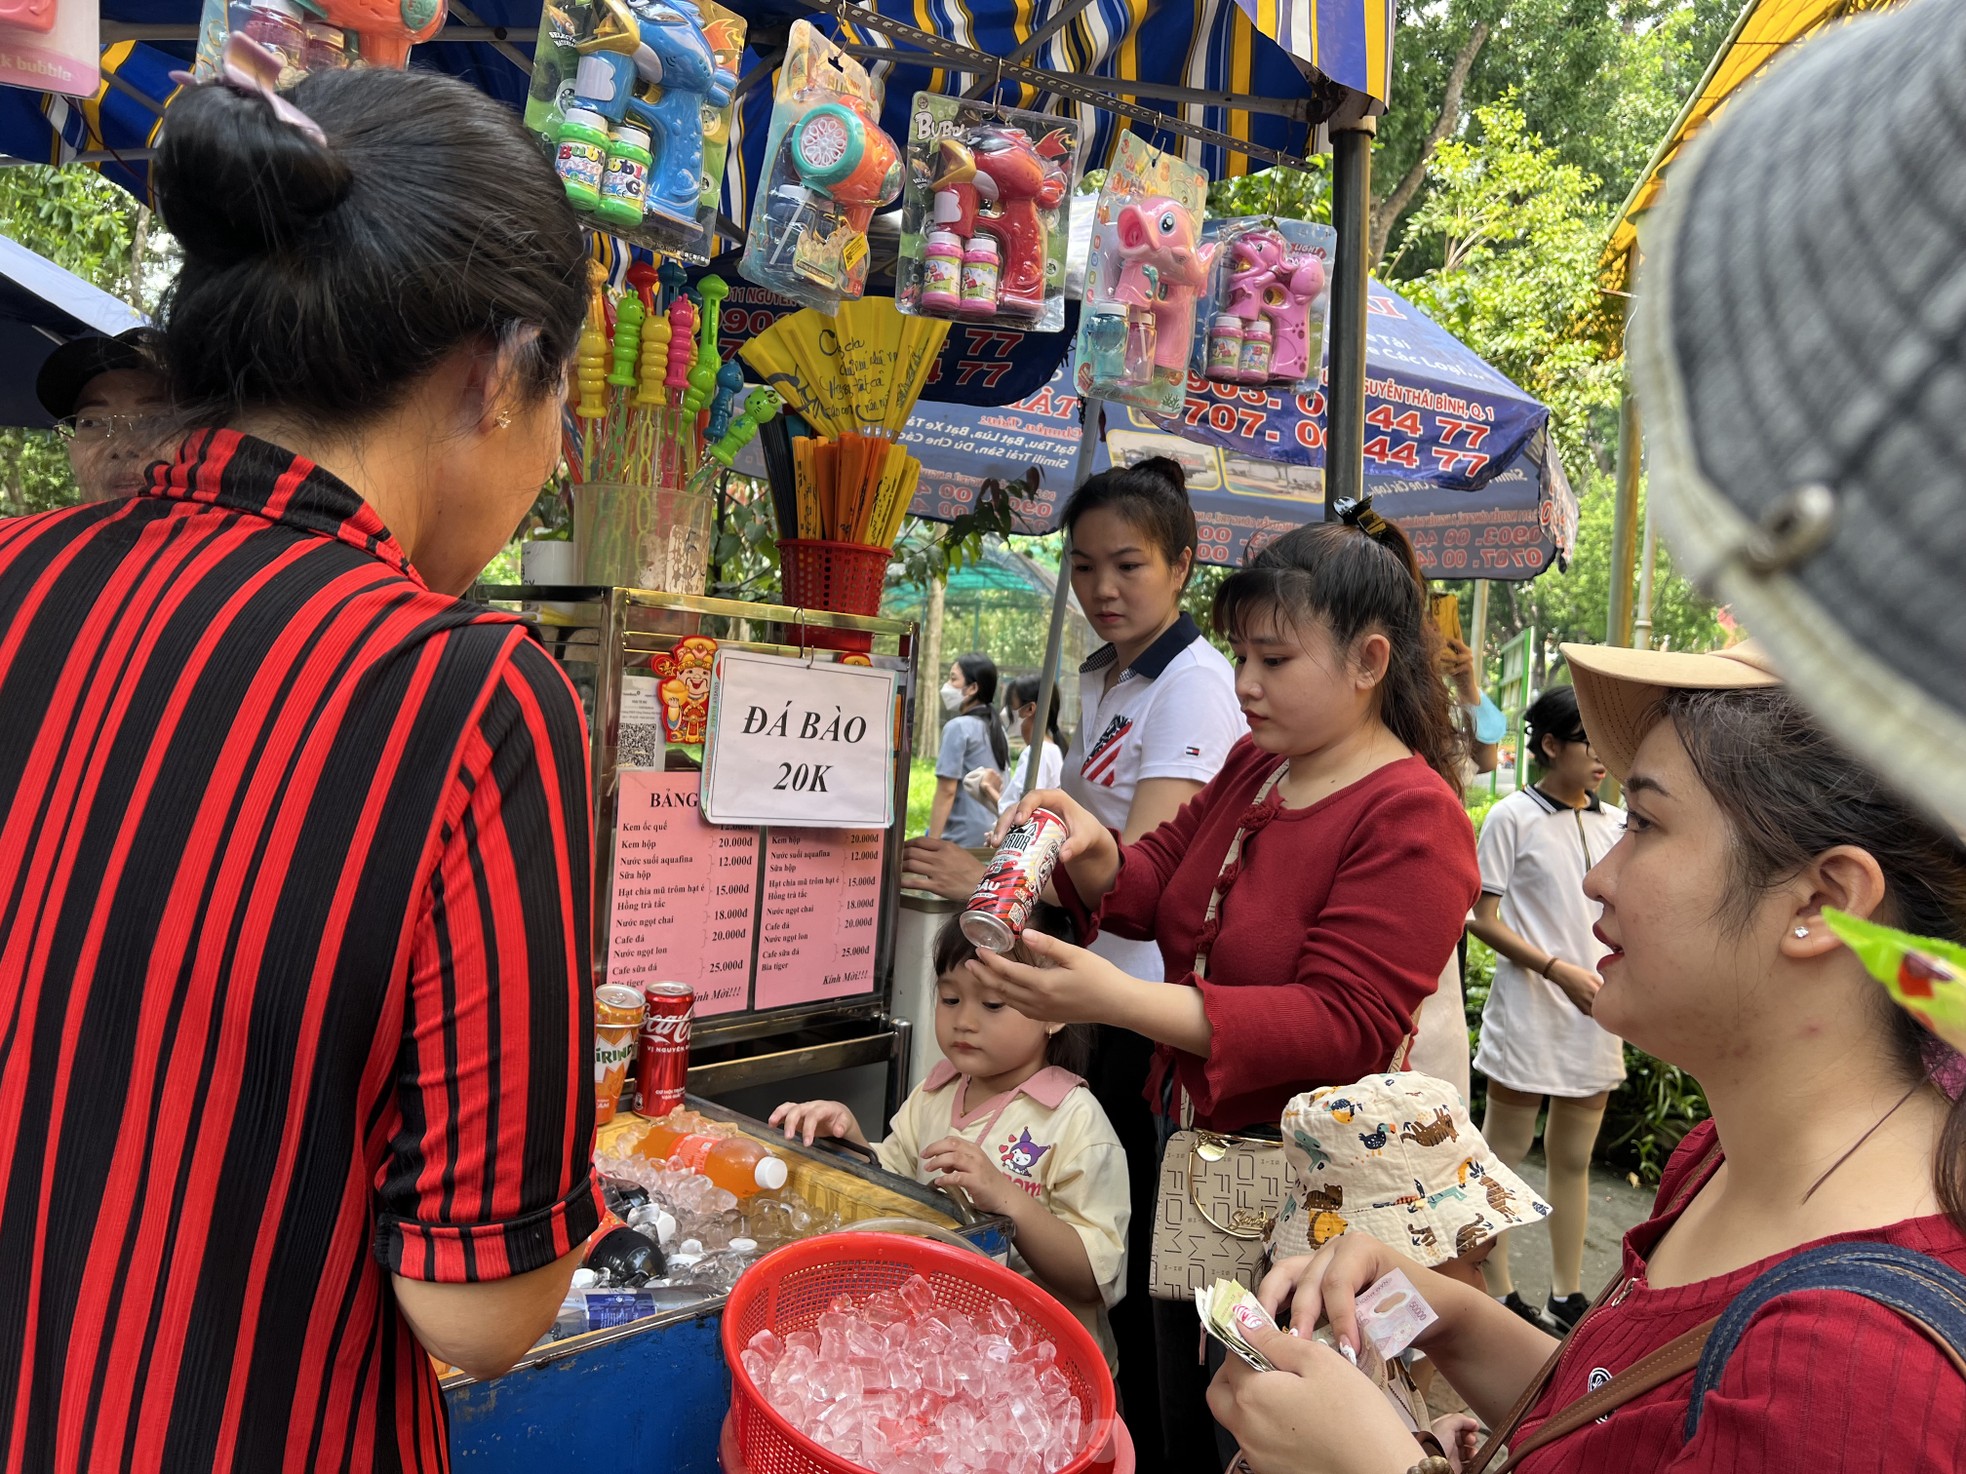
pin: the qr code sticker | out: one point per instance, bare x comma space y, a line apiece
641, 745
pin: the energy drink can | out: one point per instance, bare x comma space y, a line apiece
1013, 881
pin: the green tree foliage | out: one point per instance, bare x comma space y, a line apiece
1515, 234
83, 223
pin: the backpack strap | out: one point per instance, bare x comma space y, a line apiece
1929, 1294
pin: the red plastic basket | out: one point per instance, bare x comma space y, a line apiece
790, 1289
844, 578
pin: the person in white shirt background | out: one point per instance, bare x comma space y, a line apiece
1537, 1036
1157, 717
1020, 705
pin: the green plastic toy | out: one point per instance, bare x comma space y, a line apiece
1924, 976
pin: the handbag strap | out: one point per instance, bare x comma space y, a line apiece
1505, 1430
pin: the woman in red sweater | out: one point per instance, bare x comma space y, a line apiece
1356, 869
1745, 825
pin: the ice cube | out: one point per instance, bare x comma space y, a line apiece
918, 1296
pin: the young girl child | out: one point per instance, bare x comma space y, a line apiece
1537, 1036
1157, 718
1007, 1118
1337, 913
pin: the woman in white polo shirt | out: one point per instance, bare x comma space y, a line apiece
1157, 716
1537, 1036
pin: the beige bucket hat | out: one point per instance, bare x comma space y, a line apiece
1395, 1157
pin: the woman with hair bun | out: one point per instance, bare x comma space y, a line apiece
295, 842
1304, 902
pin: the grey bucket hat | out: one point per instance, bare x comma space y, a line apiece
1799, 350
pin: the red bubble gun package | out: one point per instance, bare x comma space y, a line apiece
1148, 269
987, 215
829, 166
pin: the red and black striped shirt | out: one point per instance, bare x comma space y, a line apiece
294, 986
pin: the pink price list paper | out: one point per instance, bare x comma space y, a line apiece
685, 893
821, 916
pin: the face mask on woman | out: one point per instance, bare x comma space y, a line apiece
952, 697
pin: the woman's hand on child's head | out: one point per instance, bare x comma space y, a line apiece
1071, 986
962, 1163
943, 869
810, 1119
1323, 1285
1315, 1414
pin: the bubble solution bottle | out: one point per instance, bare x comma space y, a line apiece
582, 157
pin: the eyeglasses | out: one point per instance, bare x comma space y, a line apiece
91, 428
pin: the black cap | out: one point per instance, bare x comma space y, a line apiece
68, 370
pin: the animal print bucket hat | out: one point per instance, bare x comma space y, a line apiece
1396, 1157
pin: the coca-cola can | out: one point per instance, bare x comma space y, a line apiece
662, 1062
1013, 881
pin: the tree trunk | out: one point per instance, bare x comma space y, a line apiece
928, 701
1386, 212
139, 248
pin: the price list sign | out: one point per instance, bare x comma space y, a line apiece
820, 916
685, 893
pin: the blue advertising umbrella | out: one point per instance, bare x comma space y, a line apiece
41, 307
1455, 453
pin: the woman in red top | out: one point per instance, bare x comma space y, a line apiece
1356, 870
1745, 824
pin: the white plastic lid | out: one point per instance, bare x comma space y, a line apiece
945, 238
634, 137
772, 1174
987, 244
1228, 320
594, 78
585, 118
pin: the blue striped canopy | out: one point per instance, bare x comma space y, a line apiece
1221, 49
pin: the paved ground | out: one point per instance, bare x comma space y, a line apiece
1615, 1206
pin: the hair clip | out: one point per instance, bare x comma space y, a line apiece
1359, 514
249, 69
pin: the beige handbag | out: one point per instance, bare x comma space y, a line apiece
1218, 1193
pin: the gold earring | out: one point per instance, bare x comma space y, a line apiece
505, 419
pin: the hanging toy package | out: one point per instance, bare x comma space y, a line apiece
828, 168
316, 35
634, 98
1264, 318
986, 218
1147, 270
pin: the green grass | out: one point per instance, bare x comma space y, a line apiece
921, 795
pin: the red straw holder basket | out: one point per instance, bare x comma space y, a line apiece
842, 578
789, 1290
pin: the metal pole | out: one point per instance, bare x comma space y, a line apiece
1351, 215
1642, 622
1061, 597
1478, 630
1624, 521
